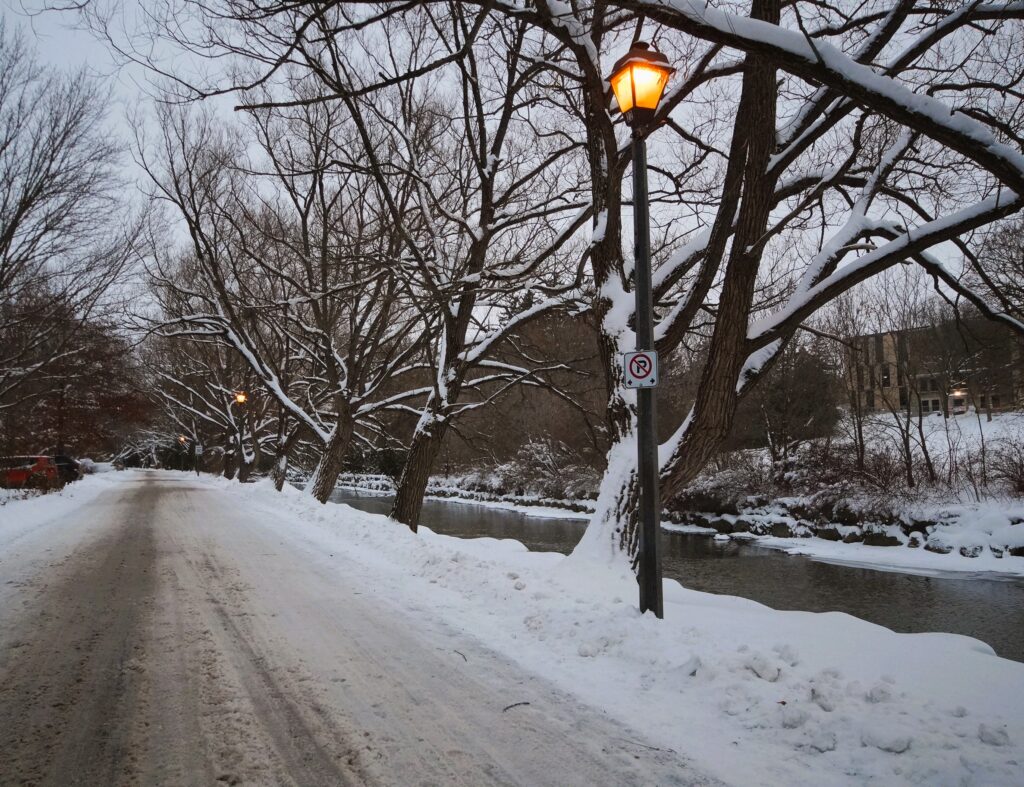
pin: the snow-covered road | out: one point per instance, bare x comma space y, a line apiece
154, 630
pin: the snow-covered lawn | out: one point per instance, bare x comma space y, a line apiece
753, 695
965, 431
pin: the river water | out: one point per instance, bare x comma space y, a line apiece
991, 610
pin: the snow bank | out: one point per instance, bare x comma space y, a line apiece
752, 695
446, 488
21, 514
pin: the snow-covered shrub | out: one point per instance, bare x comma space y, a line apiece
541, 468
727, 484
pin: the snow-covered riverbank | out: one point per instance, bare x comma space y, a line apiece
753, 695
969, 542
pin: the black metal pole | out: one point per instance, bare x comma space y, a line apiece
647, 436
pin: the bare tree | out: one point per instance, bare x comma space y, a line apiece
291, 270
495, 204
65, 232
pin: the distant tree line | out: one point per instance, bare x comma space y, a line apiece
67, 239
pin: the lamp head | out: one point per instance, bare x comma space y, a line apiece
241, 397
638, 81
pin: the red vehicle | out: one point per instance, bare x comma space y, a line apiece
31, 471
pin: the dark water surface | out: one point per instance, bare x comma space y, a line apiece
990, 609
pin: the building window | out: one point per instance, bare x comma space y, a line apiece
886, 377
925, 406
995, 401
903, 397
936, 406
870, 397
878, 348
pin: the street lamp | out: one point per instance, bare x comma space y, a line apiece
183, 441
638, 81
241, 397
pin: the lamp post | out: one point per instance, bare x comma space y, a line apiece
183, 441
638, 80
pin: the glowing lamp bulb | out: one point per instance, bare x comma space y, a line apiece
638, 81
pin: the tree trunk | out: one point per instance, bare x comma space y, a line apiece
908, 455
321, 484
281, 453
230, 463
412, 484
613, 530
279, 472
748, 182
932, 478
244, 464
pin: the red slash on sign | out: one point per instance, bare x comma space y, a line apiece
640, 366
640, 369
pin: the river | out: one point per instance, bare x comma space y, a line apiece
991, 610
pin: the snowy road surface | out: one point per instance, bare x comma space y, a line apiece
157, 633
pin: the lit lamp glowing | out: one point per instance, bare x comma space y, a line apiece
241, 397
182, 439
638, 81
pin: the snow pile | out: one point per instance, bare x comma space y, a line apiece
751, 694
10, 495
89, 466
33, 508
969, 530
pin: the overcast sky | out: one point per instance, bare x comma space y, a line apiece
56, 40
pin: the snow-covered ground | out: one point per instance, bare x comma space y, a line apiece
962, 432
749, 694
752, 695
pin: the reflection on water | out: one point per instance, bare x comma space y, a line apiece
991, 610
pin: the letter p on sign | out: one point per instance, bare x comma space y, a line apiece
640, 369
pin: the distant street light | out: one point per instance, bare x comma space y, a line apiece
638, 81
241, 397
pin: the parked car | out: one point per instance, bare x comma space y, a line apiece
68, 468
29, 471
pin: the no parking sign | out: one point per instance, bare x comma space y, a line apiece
640, 369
